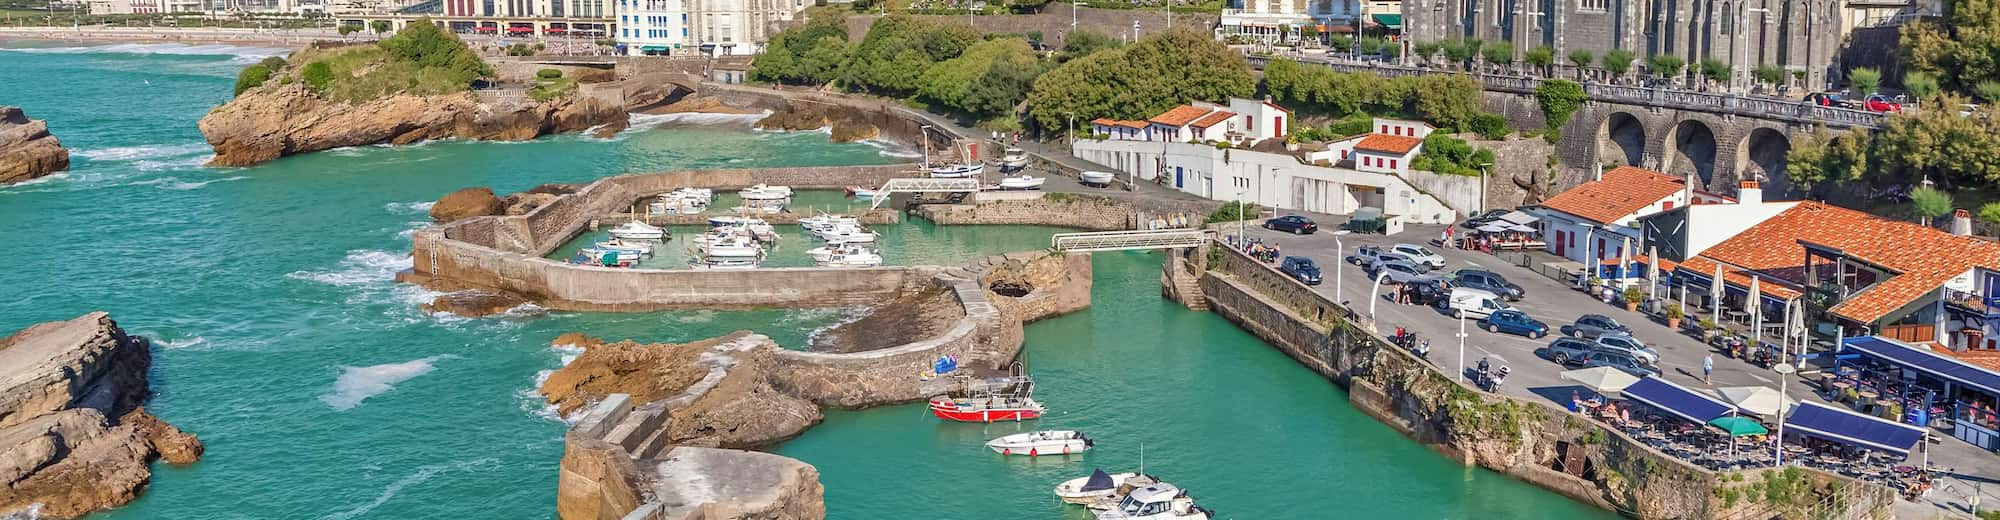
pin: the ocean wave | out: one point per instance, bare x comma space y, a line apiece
150, 151
357, 384
178, 185
184, 49
423, 474
32, 512
410, 207
152, 165
38, 180
892, 149
361, 266
532, 400
173, 343
638, 121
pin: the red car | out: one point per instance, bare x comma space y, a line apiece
1879, 103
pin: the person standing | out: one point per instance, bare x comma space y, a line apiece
1707, 366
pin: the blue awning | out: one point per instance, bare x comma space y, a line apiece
1921, 360
1675, 399
1860, 430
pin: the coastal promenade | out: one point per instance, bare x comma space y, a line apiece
190, 35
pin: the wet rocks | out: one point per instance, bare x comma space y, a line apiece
280, 119
474, 303
27, 150
467, 203
846, 126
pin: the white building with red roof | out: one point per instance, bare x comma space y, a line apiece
1597, 220
1242, 122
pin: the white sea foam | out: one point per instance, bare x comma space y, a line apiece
693, 118
184, 186
360, 267
150, 151
38, 180
180, 343
531, 397
848, 315
357, 384
892, 149
32, 512
423, 474
161, 48
409, 207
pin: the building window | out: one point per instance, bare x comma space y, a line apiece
1392, 164
1593, 5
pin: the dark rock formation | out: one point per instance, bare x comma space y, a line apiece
467, 203
73, 436
847, 126
280, 119
27, 150
474, 303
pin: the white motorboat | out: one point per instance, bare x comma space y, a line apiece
849, 235
1045, 442
1096, 178
825, 220
827, 252
1015, 160
1099, 490
765, 193
959, 171
860, 193
762, 231
730, 247
636, 230
695, 193
619, 244
725, 263
854, 258
684, 201
1022, 182
590, 256
1160, 501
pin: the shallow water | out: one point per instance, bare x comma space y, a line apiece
323, 392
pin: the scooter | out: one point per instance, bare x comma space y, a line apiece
1423, 351
1731, 344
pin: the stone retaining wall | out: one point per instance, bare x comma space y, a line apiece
876, 217
1052, 209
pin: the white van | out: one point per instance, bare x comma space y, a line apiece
1474, 304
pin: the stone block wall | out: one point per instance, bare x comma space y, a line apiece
1054, 209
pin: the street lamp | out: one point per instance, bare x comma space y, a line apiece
1461, 346
1340, 253
1743, 37
1373, 295
1784, 371
1239, 219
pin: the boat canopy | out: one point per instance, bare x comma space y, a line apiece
1099, 481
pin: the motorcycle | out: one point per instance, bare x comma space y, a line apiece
1489, 377
1731, 345
1422, 350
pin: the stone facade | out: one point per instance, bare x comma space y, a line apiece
1052, 209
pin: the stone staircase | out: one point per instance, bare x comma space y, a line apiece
1180, 281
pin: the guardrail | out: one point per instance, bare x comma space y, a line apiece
1127, 240
1763, 108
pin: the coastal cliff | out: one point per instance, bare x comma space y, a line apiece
276, 120
27, 150
74, 437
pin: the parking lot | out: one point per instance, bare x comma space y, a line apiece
1557, 304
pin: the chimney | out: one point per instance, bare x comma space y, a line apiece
1961, 222
1749, 192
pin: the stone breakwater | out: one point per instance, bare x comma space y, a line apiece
1530, 440
74, 437
27, 150
663, 437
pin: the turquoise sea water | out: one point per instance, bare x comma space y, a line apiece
323, 392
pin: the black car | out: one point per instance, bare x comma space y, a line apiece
1482, 219
1490, 282
1293, 224
1430, 292
1302, 269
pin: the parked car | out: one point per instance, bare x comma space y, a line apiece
1622, 362
1593, 325
1825, 99
1301, 268
1488, 281
1364, 256
1420, 255
1482, 219
1397, 271
1626, 344
1881, 103
1513, 321
1293, 224
1432, 292
1475, 304
1571, 351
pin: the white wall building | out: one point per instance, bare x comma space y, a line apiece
653, 27
1390, 149
1596, 220
1267, 179
731, 27
1243, 122
1685, 232
1281, 20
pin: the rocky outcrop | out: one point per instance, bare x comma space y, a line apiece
73, 436
474, 303
717, 391
847, 126
467, 203
699, 104
280, 119
27, 150
524, 202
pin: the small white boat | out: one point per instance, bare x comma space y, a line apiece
849, 235
725, 263
827, 252
866, 259
763, 192
762, 231
636, 230
1099, 488
1160, 501
1014, 160
959, 171
695, 193
1045, 442
1022, 182
730, 247
726, 221
619, 244
1096, 178
860, 193
589, 256
824, 221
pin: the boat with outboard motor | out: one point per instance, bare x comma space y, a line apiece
1039, 443
1160, 501
988, 400
862, 257
860, 193
1100, 490
724, 263
636, 230
635, 247
1096, 179
1014, 160
764, 193
1022, 182
959, 171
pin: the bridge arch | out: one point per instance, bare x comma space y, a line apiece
1621, 139
1690, 149
1761, 156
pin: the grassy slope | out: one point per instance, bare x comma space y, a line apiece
363, 72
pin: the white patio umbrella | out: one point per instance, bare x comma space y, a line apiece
1521, 228
1755, 307
1519, 217
1493, 228
1715, 293
1625, 258
1653, 272
1763, 401
1603, 380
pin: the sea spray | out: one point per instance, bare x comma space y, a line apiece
357, 384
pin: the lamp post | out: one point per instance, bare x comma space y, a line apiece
1339, 252
1482, 185
1743, 37
1461, 346
1240, 245
1373, 295
1784, 371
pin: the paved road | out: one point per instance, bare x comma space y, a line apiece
1556, 304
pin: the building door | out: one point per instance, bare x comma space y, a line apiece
1560, 235
1177, 177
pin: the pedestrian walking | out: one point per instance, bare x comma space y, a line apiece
1707, 366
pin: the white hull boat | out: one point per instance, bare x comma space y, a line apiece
1045, 442
827, 252
1099, 490
724, 263
860, 193
1160, 501
765, 193
849, 236
1015, 160
623, 246
828, 221
861, 259
1022, 182
1097, 178
958, 171
732, 249
636, 230
762, 232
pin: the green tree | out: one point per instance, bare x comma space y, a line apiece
1310, 32
380, 26
274, 63
1715, 70
1988, 91
1451, 156
1921, 85
1990, 212
1770, 74
1459, 51
1162, 70
1558, 99
1448, 101
986, 81
1083, 42
1372, 46
1864, 81
252, 77
1617, 61
1428, 50
346, 29
1962, 51
1930, 203
1941, 145
811, 54
1668, 66
1498, 53
1540, 57
1488, 126
1581, 59
1340, 42
1805, 162
891, 60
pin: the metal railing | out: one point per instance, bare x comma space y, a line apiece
1127, 240
922, 186
1763, 108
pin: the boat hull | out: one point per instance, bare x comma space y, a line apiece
1038, 449
948, 410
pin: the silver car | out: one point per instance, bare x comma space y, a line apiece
1628, 345
1397, 271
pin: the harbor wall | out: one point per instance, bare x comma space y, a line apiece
1049, 209
1529, 440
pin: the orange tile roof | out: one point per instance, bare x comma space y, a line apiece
1213, 119
1180, 115
1385, 143
1118, 122
1919, 259
1621, 192
1665, 264
1740, 277
1986, 359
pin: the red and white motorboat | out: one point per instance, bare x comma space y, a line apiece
991, 400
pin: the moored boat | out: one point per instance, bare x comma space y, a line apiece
989, 400
860, 258
959, 171
1099, 490
860, 193
588, 256
724, 263
765, 193
1022, 182
1094, 178
1161, 501
636, 230
1014, 160
630, 246
1038, 443
848, 235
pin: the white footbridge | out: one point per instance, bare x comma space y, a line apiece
923, 185
1127, 240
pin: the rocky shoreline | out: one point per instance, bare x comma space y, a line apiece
27, 150
281, 119
74, 436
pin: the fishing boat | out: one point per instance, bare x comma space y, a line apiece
685, 201
989, 400
1100, 490
588, 256
761, 231
636, 230
1014, 160
826, 252
1098, 179
848, 235
1161, 501
860, 193
622, 245
1022, 182
827, 221
734, 246
1039, 443
959, 171
765, 193
854, 258
725, 263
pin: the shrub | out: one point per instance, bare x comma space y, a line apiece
1990, 212
1355, 124
1675, 313
548, 73
1559, 100
275, 63
1489, 126
1230, 211
1930, 202
252, 77
317, 75
1634, 295
1864, 80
